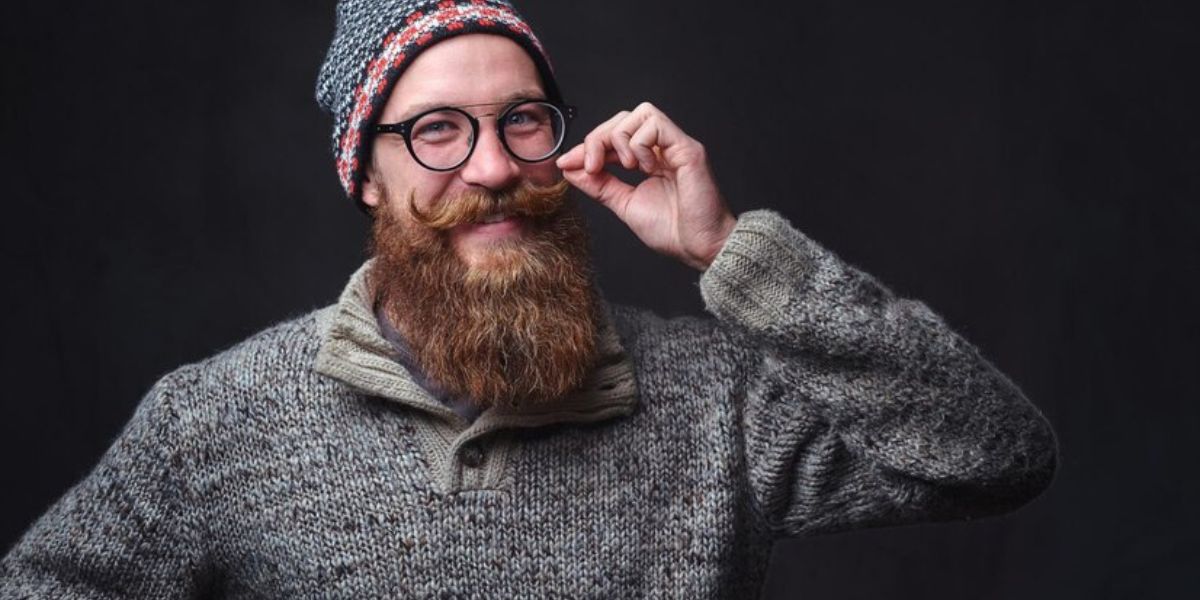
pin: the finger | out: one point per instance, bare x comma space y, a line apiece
619, 139
668, 134
647, 159
644, 142
666, 145
604, 187
571, 159
597, 142
631, 157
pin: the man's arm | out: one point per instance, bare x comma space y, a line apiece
128, 530
866, 409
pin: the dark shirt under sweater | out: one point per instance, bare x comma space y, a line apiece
464, 407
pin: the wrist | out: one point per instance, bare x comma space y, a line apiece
721, 233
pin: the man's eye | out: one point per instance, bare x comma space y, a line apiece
524, 120
436, 129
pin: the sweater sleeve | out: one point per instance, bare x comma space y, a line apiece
864, 409
128, 530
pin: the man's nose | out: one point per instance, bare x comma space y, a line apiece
490, 165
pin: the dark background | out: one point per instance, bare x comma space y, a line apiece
1029, 169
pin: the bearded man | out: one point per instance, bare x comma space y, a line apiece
472, 419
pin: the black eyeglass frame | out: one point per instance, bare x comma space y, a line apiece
404, 129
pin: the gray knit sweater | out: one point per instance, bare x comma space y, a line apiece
306, 463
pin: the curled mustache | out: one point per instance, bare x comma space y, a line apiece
526, 199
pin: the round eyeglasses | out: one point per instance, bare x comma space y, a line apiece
442, 139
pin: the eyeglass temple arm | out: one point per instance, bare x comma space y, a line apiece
400, 128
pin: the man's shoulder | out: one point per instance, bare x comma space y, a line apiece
279, 355
642, 330
257, 389
684, 365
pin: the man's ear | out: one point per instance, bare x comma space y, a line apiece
372, 192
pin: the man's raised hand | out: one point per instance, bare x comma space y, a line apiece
677, 210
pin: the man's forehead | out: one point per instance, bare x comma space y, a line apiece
466, 69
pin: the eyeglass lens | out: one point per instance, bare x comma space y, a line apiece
531, 131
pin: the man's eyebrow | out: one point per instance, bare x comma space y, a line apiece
416, 109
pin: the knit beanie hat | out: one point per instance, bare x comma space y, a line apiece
374, 43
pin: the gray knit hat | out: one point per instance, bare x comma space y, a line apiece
376, 40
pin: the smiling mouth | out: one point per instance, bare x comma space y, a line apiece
495, 225
494, 218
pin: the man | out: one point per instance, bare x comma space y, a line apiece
472, 419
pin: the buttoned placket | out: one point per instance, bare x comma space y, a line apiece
471, 455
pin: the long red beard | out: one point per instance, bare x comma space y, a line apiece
520, 328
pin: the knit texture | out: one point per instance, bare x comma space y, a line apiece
376, 40
815, 401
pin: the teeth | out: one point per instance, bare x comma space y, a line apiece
496, 218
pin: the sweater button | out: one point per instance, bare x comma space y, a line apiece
472, 456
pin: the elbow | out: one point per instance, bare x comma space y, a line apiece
1038, 466
1034, 459
1020, 475
1016, 452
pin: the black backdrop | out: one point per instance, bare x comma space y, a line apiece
1027, 168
